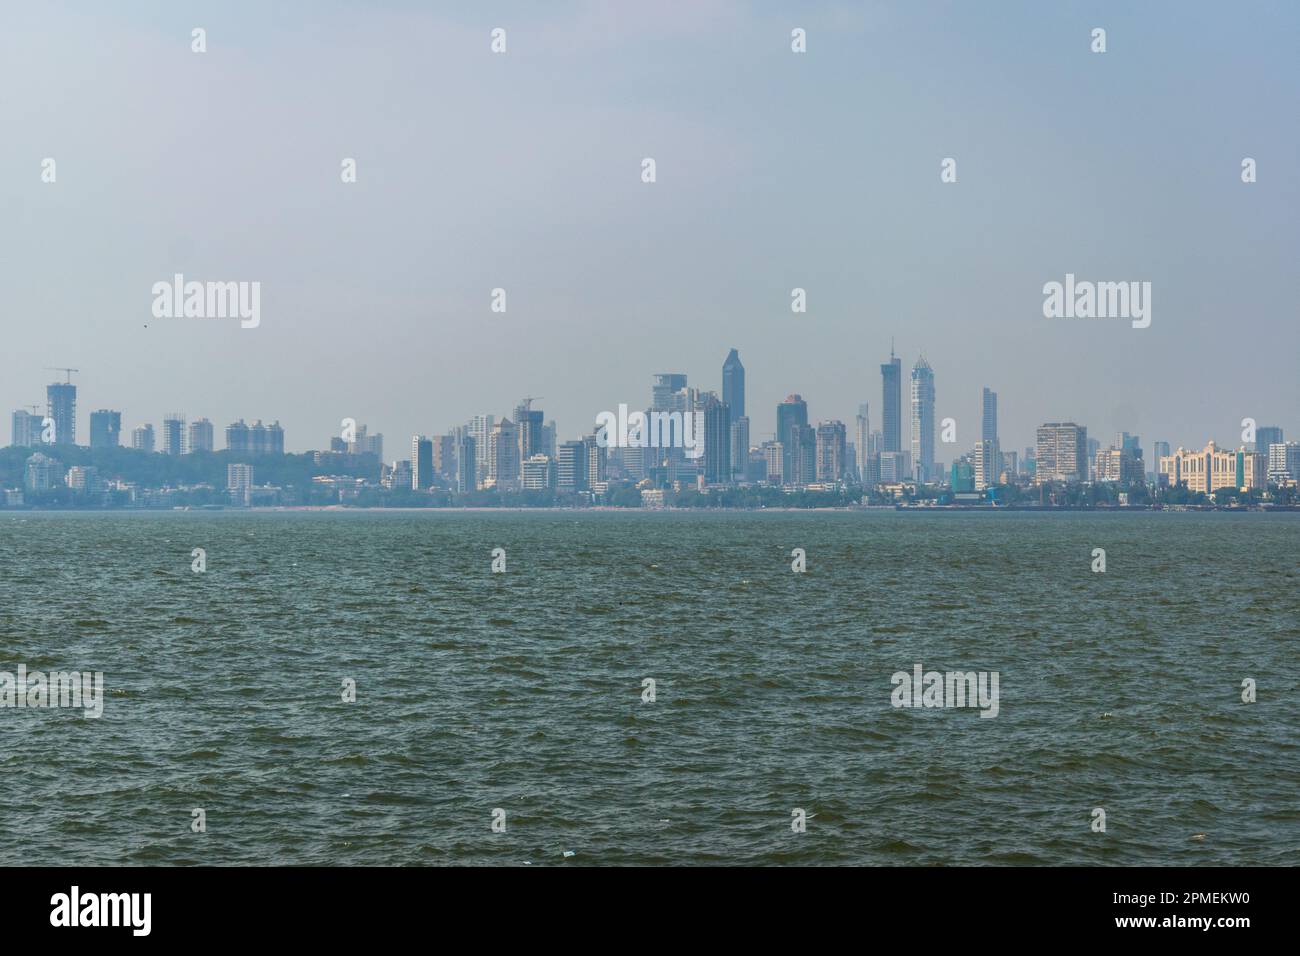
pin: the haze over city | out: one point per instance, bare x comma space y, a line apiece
523, 171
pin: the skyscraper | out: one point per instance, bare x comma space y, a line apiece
173, 434
1266, 435
923, 419
862, 441
714, 416
530, 424
62, 407
421, 463
831, 440
26, 429
891, 406
1061, 453
503, 455
739, 447
466, 461
142, 438
201, 436
989, 421
791, 415
105, 429
733, 385
480, 429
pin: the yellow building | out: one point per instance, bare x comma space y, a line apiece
1213, 468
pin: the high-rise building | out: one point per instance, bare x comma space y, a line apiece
142, 438
422, 469
105, 429
173, 434
201, 436
1061, 453
237, 439
444, 457
61, 399
1284, 462
713, 416
923, 419
733, 385
830, 441
986, 463
467, 476
774, 455
480, 429
538, 473
26, 429
989, 418
895, 467
739, 447
503, 455
1266, 435
548, 439
239, 483
862, 442
572, 466
791, 415
529, 423
891, 405
597, 465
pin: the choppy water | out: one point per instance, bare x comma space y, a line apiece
523, 690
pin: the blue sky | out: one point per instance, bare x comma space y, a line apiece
775, 170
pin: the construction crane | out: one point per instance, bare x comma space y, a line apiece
529, 399
63, 368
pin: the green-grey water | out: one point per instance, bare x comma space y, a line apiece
523, 690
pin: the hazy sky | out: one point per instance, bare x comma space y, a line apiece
775, 170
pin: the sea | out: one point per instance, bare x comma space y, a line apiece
637, 688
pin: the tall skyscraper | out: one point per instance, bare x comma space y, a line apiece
714, 416
862, 441
466, 461
142, 438
62, 407
201, 436
733, 385
530, 423
989, 420
26, 429
173, 434
739, 447
421, 463
480, 429
923, 420
105, 429
237, 440
831, 441
891, 406
791, 415
503, 455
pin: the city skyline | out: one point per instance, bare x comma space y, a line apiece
369, 312
64, 400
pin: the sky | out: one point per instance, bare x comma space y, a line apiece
774, 170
